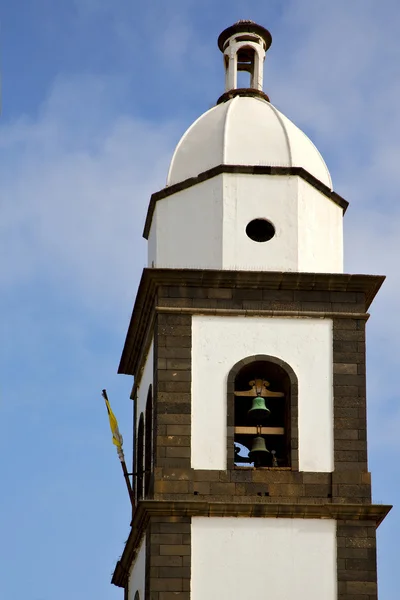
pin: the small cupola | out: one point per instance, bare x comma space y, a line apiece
244, 45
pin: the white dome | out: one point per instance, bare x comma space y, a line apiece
245, 131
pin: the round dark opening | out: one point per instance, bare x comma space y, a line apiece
260, 230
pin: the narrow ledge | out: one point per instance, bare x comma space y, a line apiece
244, 92
241, 169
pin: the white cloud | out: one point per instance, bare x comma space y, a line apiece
336, 80
75, 181
75, 185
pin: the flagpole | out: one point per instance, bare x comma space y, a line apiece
117, 440
128, 483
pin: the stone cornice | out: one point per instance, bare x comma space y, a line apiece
243, 92
145, 305
147, 508
249, 170
244, 26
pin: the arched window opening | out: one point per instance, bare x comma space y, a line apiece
139, 459
148, 449
245, 67
262, 437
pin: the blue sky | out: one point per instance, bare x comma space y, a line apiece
96, 94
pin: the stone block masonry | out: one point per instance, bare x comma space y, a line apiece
164, 309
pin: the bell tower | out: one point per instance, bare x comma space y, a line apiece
247, 348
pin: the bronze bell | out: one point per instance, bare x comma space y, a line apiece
258, 412
259, 453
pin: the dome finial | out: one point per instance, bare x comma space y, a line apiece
244, 45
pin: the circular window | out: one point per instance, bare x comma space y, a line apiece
260, 230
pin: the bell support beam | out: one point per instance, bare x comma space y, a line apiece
263, 430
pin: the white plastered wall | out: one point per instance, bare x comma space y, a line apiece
186, 228
241, 558
218, 343
320, 225
204, 226
308, 226
248, 197
145, 381
138, 574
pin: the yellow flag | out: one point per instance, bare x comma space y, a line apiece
116, 436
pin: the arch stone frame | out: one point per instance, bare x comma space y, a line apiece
148, 443
293, 403
140, 459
